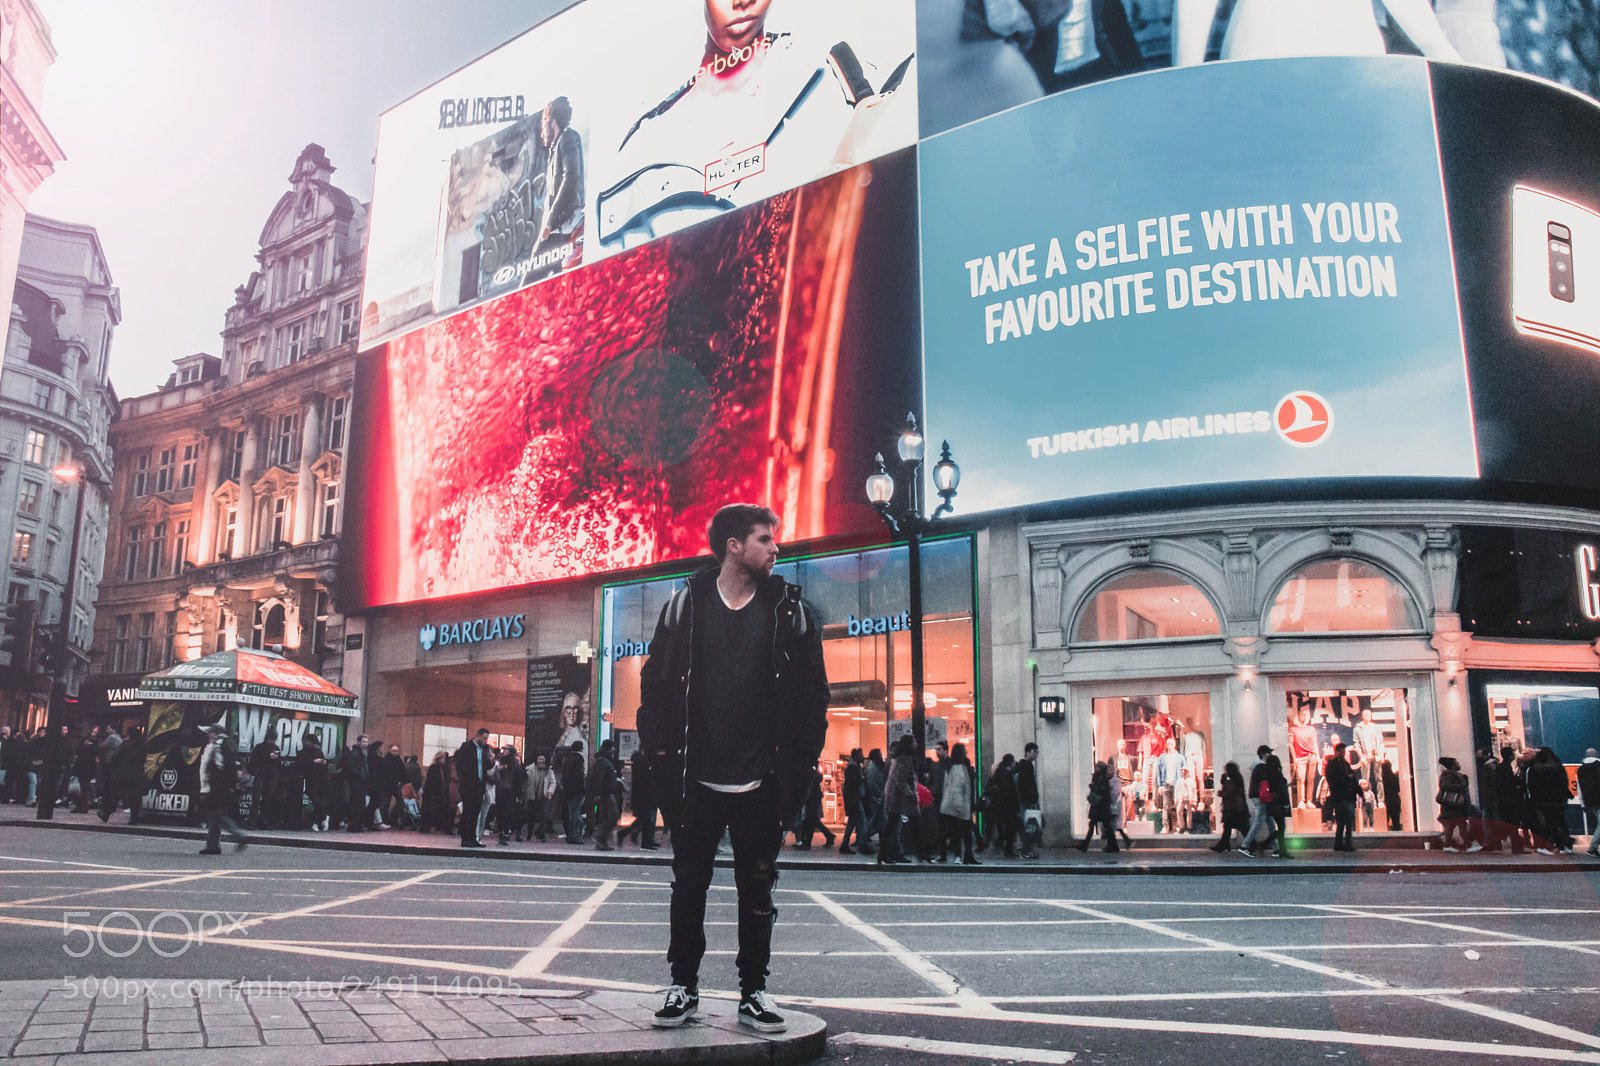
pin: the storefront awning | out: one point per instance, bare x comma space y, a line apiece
244, 675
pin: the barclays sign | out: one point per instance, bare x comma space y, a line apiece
478, 631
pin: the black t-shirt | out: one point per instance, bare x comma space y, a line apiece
732, 696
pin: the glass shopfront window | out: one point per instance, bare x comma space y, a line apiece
1160, 748
861, 600
1375, 727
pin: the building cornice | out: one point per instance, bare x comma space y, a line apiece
1299, 515
22, 129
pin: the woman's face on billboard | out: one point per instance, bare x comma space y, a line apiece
569, 711
735, 23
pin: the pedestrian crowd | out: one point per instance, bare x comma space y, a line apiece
899, 809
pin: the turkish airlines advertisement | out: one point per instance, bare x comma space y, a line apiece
618, 122
1280, 305
597, 421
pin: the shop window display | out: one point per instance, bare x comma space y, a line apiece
1147, 604
1341, 596
1160, 749
860, 599
1374, 727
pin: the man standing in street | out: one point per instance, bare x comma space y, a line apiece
572, 778
1343, 791
1028, 798
472, 774
219, 790
733, 749
356, 770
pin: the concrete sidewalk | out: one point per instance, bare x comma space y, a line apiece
178, 1022
1177, 854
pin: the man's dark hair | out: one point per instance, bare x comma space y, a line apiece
736, 521
483, 732
1029, 747
1508, 752
561, 111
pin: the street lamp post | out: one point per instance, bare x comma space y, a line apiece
909, 520
62, 644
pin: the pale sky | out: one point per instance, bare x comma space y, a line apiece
181, 119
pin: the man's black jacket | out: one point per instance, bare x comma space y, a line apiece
471, 765
801, 686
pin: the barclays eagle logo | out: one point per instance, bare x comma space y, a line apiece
427, 636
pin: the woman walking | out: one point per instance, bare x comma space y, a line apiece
509, 780
1549, 792
438, 809
1235, 809
1003, 807
1099, 809
537, 796
899, 803
955, 808
1455, 804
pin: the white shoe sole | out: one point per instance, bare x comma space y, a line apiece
763, 1027
673, 1023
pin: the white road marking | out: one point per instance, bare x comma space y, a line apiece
67, 862
1561, 1032
317, 908
954, 1049
1260, 953
1412, 919
1232, 996
1265, 1032
535, 961
941, 980
118, 888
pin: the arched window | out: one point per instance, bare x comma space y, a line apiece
272, 625
1340, 596
1147, 604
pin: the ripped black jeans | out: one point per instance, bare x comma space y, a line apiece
752, 822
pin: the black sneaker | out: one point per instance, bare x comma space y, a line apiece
755, 1010
681, 1003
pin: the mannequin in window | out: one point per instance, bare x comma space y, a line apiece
1193, 748
1276, 29
1306, 752
1122, 769
1367, 738
1168, 769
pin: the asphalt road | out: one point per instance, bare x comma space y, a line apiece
1376, 966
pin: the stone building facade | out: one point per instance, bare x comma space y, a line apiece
227, 493
56, 406
28, 154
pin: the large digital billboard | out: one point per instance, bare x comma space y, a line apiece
1139, 246
617, 122
1258, 285
597, 421
980, 57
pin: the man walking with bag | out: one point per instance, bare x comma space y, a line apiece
734, 714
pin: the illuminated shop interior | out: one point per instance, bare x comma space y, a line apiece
860, 598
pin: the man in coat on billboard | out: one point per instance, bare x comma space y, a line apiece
472, 776
734, 715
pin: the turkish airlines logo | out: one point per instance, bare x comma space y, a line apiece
1304, 419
